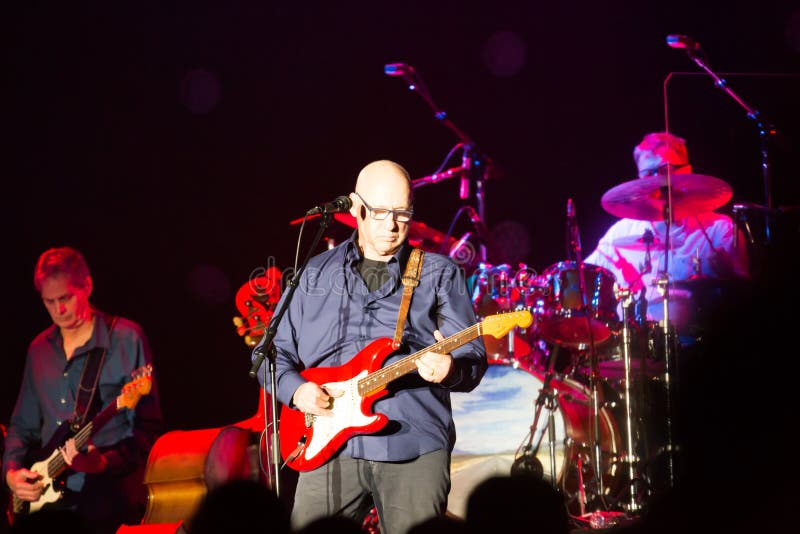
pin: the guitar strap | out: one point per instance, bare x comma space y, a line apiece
90, 376
410, 281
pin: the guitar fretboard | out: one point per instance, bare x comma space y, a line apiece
57, 465
383, 376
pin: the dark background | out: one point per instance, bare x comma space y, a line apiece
172, 142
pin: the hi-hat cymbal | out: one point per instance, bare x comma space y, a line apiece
644, 198
636, 242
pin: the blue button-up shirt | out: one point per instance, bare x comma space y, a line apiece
48, 393
333, 315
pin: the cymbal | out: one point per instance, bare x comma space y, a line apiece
419, 234
644, 198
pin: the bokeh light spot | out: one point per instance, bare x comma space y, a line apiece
200, 91
208, 284
793, 31
504, 53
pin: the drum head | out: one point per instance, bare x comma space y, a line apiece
492, 421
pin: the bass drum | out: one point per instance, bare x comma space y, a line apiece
493, 423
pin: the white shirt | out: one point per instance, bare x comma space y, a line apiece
709, 237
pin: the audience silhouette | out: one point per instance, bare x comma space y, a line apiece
440, 525
332, 524
518, 503
62, 520
241, 506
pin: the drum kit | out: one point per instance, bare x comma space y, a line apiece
596, 369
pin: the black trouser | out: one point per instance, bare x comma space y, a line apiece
404, 493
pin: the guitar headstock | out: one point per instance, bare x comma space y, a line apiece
256, 301
137, 388
500, 324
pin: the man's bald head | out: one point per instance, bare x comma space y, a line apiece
383, 173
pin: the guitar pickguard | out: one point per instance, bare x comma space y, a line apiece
347, 414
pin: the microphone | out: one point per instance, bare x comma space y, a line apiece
341, 204
397, 69
466, 164
480, 226
682, 41
573, 234
401, 69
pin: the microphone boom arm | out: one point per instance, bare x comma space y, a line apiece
452, 172
765, 131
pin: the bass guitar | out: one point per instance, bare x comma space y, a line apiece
53, 466
308, 441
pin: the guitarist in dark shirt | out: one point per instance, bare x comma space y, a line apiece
100, 477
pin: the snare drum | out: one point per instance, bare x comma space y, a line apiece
566, 313
494, 420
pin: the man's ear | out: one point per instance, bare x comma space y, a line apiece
88, 285
353, 199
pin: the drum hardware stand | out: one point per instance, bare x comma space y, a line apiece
573, 240
624, 296
528, 460
663, 287
595, 406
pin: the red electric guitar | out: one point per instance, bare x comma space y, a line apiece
308, 441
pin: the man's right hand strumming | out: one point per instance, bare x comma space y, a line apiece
316, 400
25, 485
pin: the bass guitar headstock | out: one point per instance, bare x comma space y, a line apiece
256, 301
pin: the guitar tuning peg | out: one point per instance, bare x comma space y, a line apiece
252, 341
237, 321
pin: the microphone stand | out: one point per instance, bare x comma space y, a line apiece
474, 166
266, 348
765, 131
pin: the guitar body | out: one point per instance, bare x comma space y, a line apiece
321, 437
53, 481
52, 486
308, 441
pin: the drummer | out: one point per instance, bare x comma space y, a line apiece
702, 243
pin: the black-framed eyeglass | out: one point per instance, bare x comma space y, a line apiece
380, 214
662, 169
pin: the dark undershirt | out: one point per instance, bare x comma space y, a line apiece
374, 272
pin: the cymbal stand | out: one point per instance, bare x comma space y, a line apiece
662, 283
625, 297
595, 400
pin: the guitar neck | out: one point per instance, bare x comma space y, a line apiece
56, 465
383, 376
